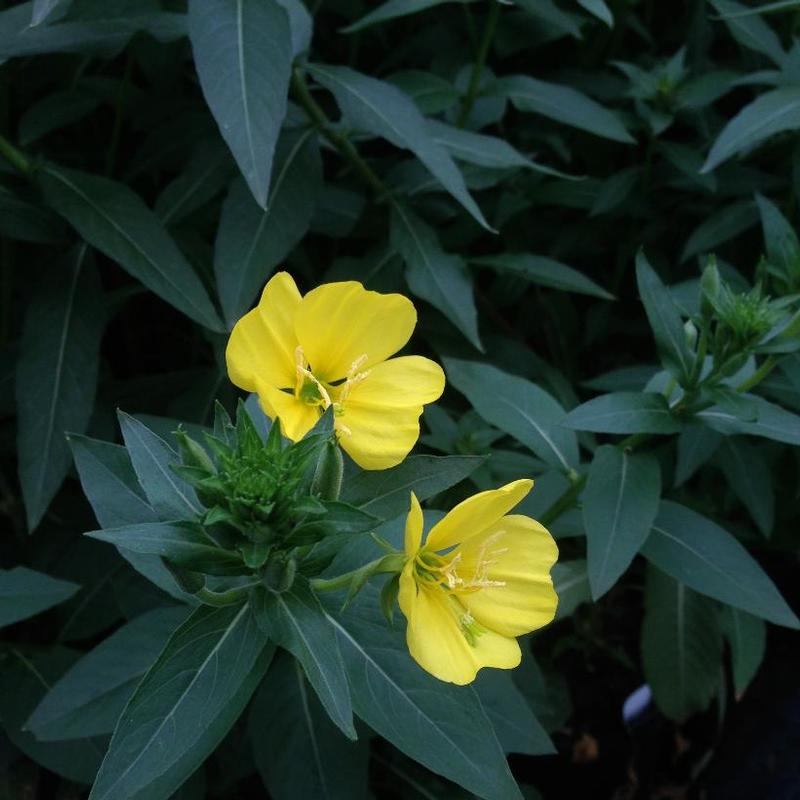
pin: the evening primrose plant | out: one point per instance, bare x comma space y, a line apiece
257, 525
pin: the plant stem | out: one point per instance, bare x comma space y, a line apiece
766, 367
14, 156
480, 60
227, 598
391, 563
345, 147
564, 503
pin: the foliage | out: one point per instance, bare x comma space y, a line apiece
592, 204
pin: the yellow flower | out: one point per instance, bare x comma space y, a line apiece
481, 579
332, 347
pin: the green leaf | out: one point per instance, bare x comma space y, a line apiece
562, 104
783, 246
88, 699
681, 646
243, 55
296, 621
432, 93
544, 272
110, 484
749, 476
25, 593
183, 543
46, 10
433, 275
152, 458
705, 557
518, 407
665, 320
442, 726
772, 422
100, 33
515, 724
56, 376
185, 704
116, 221
26, 677
600, 9
752, 31
747, 639
392, 9
696, 445
251, 242
620, 502
773, 112
387, 493
207, 171
624, 412
483, 150
305, 756
381, 109
720, 227
571, 582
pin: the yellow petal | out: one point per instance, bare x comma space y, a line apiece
518, 552
476, 514
297, 418
400, 382
376, 437
436, 641
263, 341
379, 421
413, 535
338, 323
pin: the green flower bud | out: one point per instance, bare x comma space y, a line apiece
328, 475
690, 332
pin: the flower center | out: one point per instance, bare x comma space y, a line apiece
434, 570
313, 392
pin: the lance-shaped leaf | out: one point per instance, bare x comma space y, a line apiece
152, 458
571, 583
748, 474
749, 29
705, 557
696, 444
305, 756
387, 493
56, 376
440, 278
112, 489
113, 219
185, 704
620, 503
25, 593
251, 242
515, 724
392, 9
665, 320
243, 55
518, 407
747, 639
681, 646
780, 237
295, 620
47, 10
771, 422
624, 412
440, 725
182, 543
771, 113
562, 104
377, 107
88, 699
544, 272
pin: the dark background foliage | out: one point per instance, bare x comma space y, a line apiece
546, 179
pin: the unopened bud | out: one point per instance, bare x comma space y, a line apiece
327, 481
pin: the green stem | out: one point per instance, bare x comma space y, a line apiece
227, 598
392, 563
14, 156
766, 367
564, 503
480, 60
345, 147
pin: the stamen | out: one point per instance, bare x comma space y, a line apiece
353, 378
304, 374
